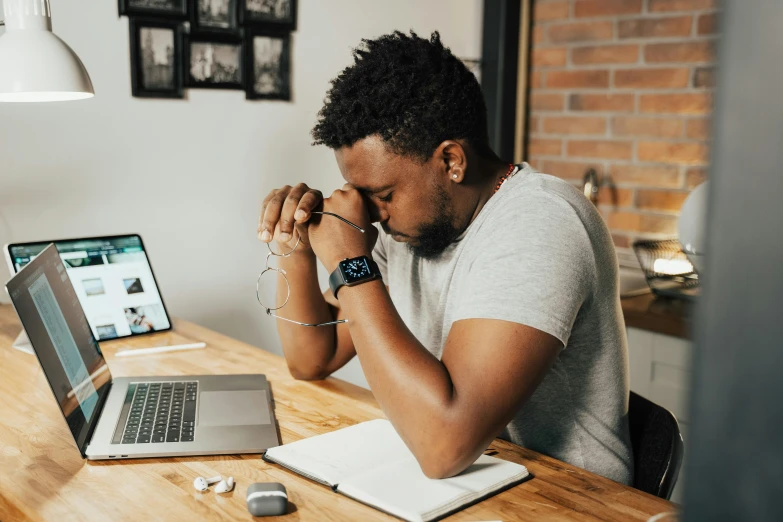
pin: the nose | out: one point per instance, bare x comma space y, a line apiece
377, 213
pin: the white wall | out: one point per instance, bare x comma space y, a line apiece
189, 175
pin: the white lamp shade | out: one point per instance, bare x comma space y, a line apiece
35, 65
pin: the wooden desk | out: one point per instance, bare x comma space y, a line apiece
659, 314
43, 477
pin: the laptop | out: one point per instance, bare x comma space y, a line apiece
132, 417
112, 277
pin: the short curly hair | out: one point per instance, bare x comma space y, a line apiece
412, 92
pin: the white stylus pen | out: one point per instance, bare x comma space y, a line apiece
161, 349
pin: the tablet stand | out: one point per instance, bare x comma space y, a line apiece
22, 343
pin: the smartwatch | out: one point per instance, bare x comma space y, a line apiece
352, 272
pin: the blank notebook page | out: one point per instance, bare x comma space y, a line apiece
401, 488
334, 456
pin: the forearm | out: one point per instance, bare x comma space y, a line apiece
307, 350
413, 387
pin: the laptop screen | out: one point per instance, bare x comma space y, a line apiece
113, 279
62, 340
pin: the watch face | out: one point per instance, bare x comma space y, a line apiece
355, 269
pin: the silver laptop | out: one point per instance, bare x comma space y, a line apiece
132, 417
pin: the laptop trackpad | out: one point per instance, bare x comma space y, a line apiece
233, 408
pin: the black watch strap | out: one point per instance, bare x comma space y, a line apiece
337, 280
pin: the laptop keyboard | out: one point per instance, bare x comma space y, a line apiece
159, 412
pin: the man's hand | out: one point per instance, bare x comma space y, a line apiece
284, 215
333, 240
311, 353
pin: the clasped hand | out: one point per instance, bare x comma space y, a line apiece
287, 216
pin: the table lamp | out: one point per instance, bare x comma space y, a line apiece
35, 65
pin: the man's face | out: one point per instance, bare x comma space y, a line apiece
411, 200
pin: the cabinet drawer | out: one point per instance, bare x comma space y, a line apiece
673, 398
672, 350
669, 374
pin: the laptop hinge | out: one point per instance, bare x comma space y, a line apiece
101, 403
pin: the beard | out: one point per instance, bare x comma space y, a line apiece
433, 237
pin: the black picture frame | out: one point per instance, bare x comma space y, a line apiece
132, 8
199, 26
220, 39
282, 68
249, 17
141, 88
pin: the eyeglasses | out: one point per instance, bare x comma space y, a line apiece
279, 272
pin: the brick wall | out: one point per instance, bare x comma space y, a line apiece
625, 87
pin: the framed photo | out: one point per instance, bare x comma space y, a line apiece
214, 62
214, 16
158, 8
156, 58
268, 65
271, 14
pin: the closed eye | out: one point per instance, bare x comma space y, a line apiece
386, 198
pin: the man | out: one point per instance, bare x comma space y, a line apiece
498, 309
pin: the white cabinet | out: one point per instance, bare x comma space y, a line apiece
660, 369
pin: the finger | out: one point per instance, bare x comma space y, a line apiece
282, 242
289, 207
309, 201
300, 230
272, 213
263, 208
276, 233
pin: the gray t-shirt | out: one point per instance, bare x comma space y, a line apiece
537, 254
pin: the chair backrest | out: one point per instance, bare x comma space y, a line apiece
657, 447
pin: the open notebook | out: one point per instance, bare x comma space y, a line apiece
370, 463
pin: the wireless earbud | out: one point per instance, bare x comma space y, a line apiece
225, 485
202, 484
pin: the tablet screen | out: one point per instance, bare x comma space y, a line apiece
113, 280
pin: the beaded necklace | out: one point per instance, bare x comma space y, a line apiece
504, 177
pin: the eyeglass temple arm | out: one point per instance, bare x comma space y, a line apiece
339, 321
357, 227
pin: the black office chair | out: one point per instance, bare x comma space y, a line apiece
657, 447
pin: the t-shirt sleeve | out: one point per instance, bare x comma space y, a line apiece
379, 255
536, 269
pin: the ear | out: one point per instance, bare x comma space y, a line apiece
453, 160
